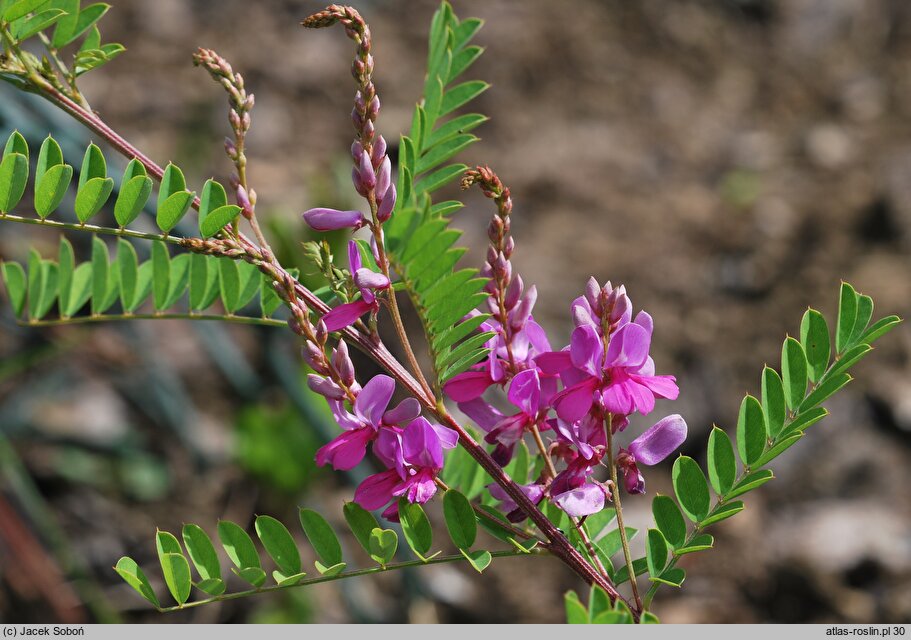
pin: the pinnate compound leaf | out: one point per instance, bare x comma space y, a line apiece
279, 544
691, 488
129, 570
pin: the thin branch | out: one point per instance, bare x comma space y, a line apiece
618, 508
558, 544
341, 576
248, 320
91, 228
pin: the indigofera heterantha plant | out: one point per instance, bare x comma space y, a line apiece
546, 476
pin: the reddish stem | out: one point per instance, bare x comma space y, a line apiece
558, 544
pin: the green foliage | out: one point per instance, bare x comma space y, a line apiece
320, 534
598, 611
102, 282
421, 244
765, 430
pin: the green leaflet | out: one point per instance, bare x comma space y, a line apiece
320, 534
691, 488
135, 189
13, 178
173, 198
460, 519
721, 463
751, 431
669, 520
16, 285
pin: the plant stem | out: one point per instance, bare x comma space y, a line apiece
341, 576
558, 543
249, 320
91, 228
618, 508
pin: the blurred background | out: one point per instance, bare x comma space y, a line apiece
730, 161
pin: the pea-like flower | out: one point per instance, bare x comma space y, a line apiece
368, 283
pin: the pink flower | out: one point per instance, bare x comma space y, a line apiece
368, 282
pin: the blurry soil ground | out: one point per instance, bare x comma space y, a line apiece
729, 161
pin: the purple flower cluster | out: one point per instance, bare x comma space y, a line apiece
408, 445
574, 395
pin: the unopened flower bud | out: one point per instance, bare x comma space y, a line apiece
342, 363
325, 387
368, 130
492, 255
383, 178
315, 358
384, 211
356, 150
493, 304
359, 103
501, 266
243, 201
322, 332
513, 292
357, 119
521, 313
246, 121
363, 177
234, 119
495, 230
373, 109
509, 247
379, 151
593, 294
618, 304
230, 148
251, 100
